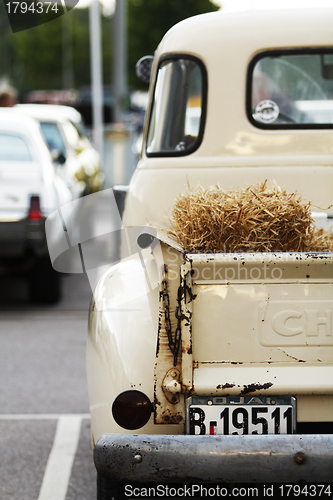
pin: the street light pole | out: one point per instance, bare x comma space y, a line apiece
120, 59
67, 52
96, 74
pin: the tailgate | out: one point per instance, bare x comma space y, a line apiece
259, 322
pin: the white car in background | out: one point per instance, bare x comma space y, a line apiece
64, 133
30, 189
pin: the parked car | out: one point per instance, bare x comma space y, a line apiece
30, 189
66, 138
203, 367
83, 103
57, 111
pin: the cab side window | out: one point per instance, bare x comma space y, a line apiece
178, 111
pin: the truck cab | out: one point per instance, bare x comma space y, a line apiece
218, 367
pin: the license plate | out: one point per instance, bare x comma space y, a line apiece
240, 415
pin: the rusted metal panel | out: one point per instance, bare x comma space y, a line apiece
223, 379
168, 399
252, 268
186, 326
263, 458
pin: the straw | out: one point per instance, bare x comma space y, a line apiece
258, 218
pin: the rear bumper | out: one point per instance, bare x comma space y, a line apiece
19, 236
164, 458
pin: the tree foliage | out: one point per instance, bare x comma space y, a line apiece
33, 59
149, 20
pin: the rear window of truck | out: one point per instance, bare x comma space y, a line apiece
291, 89
178, 110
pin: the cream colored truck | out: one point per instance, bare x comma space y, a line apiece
238, 346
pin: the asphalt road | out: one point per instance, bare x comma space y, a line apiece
44, 410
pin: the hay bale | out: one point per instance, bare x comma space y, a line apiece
320, 240
257, 218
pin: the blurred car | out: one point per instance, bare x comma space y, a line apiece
83, 103
65, 136
60, 111
30, 189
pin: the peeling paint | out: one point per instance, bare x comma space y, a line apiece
225, 386
255, 387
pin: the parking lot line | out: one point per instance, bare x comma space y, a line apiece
59, 465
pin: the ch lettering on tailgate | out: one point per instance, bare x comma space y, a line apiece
296, 323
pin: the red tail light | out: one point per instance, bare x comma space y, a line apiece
34, 210
131, 409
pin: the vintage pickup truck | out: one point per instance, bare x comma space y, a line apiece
217, 368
